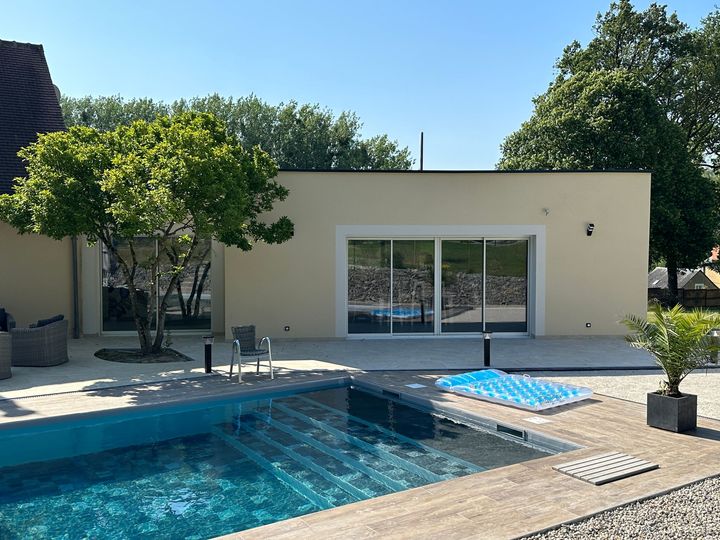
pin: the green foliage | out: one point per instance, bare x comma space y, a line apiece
681, 67
609, 119
678, 341
643, 94
296, 136
178, 179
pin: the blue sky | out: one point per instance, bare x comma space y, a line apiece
464, 72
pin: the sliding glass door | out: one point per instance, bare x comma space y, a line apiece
506, 279
189, 303
368, 285
117, 312
395, 286
462, 285
413, 286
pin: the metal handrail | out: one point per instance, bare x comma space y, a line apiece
237, 351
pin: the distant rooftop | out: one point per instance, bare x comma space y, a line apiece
28, 105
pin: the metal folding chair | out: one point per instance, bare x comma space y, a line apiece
245, 346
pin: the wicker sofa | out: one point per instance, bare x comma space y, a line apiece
5, 352
40, 346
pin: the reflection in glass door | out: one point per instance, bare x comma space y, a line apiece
392, 286
462, 286
189, 304
506, 285
116, 309
368, 286
413, 286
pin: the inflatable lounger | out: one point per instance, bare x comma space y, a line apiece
519, 391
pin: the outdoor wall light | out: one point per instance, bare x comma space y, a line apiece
590, 228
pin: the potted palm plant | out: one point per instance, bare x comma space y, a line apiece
679, 341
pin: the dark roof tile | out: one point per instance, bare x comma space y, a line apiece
28, 105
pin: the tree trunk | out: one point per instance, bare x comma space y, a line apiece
141, 324
162, 308
194, 291
185, 310
201, 286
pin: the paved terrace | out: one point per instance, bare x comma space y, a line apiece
501, 503
86, 372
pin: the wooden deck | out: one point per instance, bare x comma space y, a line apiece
502, 503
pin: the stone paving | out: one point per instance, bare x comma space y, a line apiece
85, 372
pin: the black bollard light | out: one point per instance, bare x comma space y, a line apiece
486, 344
208, 352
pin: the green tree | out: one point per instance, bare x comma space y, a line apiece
607, 120
296, 136
106, 113
681, 66
178, 180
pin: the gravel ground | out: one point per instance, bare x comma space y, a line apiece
634, 385
692, 512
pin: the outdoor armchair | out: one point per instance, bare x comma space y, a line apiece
40, 346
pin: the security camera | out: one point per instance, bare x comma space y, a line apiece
590, 228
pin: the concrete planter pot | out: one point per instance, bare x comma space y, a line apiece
676, 414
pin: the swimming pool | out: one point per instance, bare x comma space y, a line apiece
204, 470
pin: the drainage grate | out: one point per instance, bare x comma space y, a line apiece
510, 431
606, 468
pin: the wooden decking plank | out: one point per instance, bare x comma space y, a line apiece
573, 463
588, 469
606, 468
593, 461
620, 468
628, 472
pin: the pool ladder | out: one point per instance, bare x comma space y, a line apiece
254, 353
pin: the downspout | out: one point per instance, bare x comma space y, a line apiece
75, 289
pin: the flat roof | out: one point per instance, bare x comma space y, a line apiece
466, 171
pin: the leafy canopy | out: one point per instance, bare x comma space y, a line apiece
644, 93
178, 180
677, 339
296, 136
681, 66
147, 178
610, 120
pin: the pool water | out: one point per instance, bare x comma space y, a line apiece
205, 472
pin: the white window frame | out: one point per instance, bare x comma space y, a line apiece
536, 266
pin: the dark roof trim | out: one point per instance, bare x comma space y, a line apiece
466, 171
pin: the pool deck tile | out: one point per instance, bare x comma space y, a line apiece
502, 503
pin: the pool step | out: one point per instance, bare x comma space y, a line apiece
305, 461
320, 501
441, 458
366, 446
363, 468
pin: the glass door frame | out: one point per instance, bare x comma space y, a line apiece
392, 239
485, 239
99, 248
530, 289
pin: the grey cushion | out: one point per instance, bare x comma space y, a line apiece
45, 322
